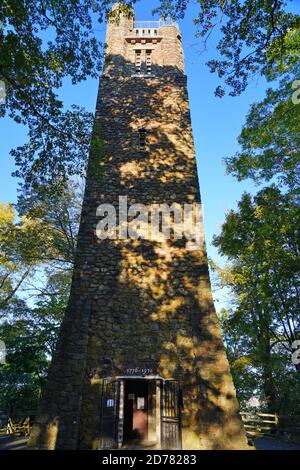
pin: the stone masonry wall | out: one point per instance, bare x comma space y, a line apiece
135, 299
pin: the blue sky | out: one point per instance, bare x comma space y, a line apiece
216, 124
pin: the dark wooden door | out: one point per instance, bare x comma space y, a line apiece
136, 411
110, 400
171, 415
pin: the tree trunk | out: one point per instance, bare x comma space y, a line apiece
266, 361
268, 384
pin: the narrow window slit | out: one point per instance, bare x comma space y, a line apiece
138, 61
149, 62
142, 139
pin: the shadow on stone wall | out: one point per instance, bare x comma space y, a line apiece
136, 300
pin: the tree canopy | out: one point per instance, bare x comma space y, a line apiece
45, 42
262, 244
261, 240
247, 30
270, 137
36, 259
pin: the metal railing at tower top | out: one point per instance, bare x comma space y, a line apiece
154, 24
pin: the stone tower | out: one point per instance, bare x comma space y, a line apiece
140, 360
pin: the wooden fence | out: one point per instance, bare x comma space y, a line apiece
21, 428
266, 424
260, 424
256, 425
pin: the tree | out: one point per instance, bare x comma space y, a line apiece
58, 207
30, 335
261, 241
16, 242
44, 239
248, 28
41, 244
41, 44
57, 149
44, 42
270, 139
